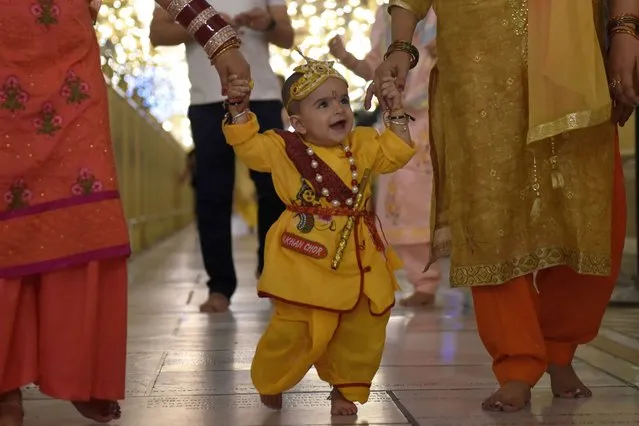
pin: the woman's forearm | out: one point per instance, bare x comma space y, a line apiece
619, 7
204, 24
403, 23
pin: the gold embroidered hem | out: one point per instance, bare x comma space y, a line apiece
495, 274
578, 120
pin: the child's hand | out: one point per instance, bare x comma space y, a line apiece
239, 92
391, 95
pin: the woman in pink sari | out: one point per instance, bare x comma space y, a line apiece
63, 235
403, 198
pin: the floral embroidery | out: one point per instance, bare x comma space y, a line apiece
49, 122
12, 97
18, 196
86, 183
46, 12
74, 90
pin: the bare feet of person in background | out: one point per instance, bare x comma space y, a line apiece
565, 383
511, 397
216, 303
418, 300
340, 406
272, 401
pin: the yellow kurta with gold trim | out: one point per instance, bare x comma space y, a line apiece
305, 280
485, 171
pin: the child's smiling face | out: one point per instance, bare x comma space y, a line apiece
325, 116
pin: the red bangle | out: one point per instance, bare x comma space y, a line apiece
203, 22
209, 28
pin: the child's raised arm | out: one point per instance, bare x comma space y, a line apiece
396, 119
241, 129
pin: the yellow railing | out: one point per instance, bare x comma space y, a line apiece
149, 164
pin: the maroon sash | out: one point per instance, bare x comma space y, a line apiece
296, 151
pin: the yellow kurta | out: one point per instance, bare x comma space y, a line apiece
489, 214
305, 280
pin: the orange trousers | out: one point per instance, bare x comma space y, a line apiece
66, 331
525, 328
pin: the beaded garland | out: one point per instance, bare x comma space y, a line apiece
319, 178
323, 179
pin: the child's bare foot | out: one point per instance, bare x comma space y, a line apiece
418, 300
511, 397
341, 406
565, 383
11, 413
272, 401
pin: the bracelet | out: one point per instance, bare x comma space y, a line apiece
230, 119
205, 24
624, 30
406, 47
398, 120
231, 44
221, 41
624, 24
399, 116
235, 117
623, 20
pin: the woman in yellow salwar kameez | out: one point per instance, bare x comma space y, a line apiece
529, 200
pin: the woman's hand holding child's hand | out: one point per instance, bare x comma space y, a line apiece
391, 95
239, 92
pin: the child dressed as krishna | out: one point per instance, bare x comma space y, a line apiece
327, 270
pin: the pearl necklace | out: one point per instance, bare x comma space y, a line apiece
319, 178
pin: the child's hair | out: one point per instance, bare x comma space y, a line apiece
292, 107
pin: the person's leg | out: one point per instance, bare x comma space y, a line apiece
572, 305
294, 339
353, 356
215, 171
82, 322
508, 325
269, 205
18, 345
425, 283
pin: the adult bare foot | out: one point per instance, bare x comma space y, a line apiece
99, 411
216, 303
511, 397
11, 412
341, 406
565, 383
272, 401
418, 300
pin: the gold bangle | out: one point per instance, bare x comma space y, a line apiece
224, 48
624, 18
406, 47
624, 30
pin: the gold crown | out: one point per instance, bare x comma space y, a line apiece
314, 73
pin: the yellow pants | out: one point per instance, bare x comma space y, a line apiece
346, 349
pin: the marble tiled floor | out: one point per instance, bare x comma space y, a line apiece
186, 368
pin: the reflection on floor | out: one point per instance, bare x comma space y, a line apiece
186, 368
